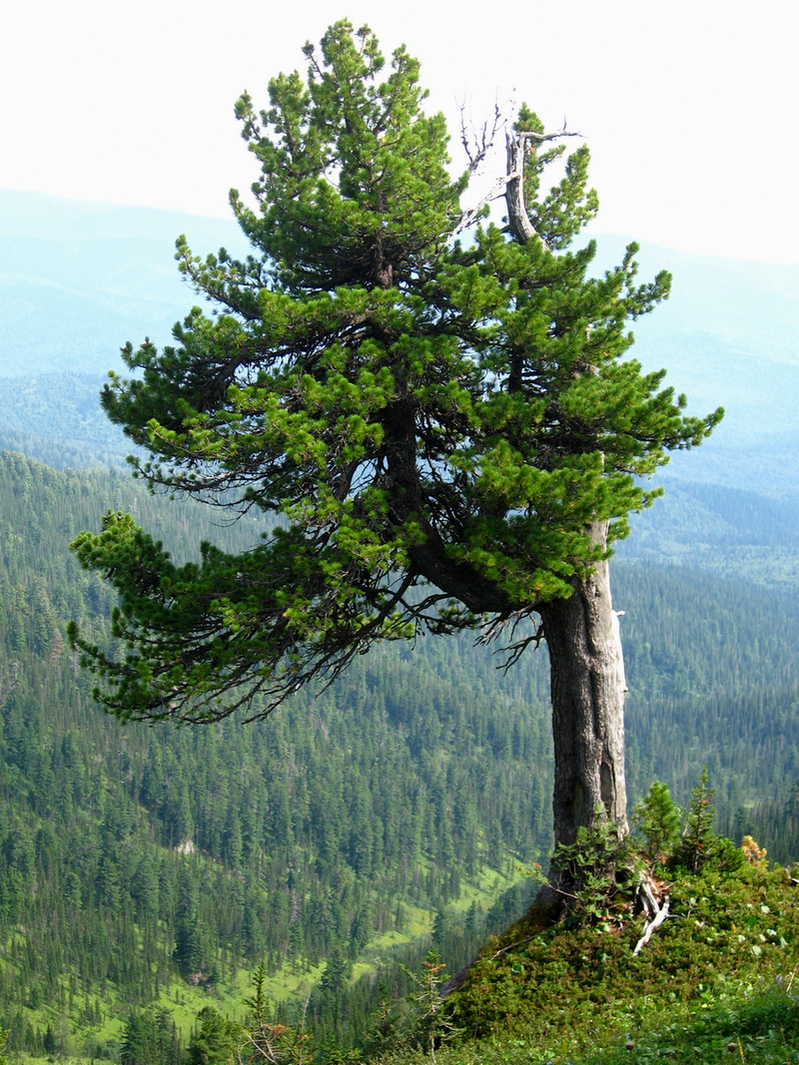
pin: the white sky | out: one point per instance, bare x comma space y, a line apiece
689, 107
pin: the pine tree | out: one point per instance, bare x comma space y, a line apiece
697, 840
450, 436
658, 822
216, 1040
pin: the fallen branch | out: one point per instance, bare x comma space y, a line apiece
512, 946
656, 910
650, 926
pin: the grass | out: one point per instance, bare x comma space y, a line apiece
743, 1028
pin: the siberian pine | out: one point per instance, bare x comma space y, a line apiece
447, 434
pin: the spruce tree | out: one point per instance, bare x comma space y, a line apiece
696, 844
658, 823
216, 1040
448, 435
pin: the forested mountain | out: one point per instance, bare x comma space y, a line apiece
79, 279
134, 860
58, 420
736, 534
132, 856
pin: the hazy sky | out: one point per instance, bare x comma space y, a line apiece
689, 107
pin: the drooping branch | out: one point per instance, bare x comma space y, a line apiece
511, 648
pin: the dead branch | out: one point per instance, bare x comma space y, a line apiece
469, 217
511, 185
518, 219
656, 909
478, 145
511, 946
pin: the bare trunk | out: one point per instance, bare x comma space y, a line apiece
587, 684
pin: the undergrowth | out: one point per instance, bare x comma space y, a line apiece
718, 981
737, 1027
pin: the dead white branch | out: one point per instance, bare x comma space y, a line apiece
469, 217
511, 184
657, 910
517, 144
478, 145
518, 218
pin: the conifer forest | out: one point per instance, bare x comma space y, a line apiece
135, 857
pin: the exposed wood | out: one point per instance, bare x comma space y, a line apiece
584, 642
655, 906
587, 688
650, 927
517, 144
518, 218
511, 184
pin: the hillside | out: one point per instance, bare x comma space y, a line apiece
716, 982
132, 857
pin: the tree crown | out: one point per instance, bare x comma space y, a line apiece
438, 428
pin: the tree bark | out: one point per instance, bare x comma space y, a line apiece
587, 686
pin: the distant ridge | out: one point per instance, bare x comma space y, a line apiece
79, 279
38, 215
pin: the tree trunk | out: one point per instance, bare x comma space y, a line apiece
587, 685
585, 655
